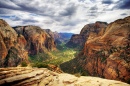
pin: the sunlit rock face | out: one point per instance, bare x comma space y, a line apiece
37, 39
12, 46
105, 54
80, 39
108, 53
19, 42
21, 76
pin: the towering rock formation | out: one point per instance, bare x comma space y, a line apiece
107, 54
54, 35
17, 43
12, 46
37, 39
80, 39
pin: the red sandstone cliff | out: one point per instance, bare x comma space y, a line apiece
12, 46
16, 44
37, 39
80, 39
106, 54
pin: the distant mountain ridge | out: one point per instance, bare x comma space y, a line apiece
59, 37
66, 35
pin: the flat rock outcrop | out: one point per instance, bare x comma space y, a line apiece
21, 76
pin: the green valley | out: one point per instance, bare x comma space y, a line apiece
57, 57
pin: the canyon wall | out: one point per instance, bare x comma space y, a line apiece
19, 42
107, 53
12, 46
80, 39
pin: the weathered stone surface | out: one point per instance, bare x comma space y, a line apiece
105, 54
37, 39
45, 77
80, 39
12, 46
76, 40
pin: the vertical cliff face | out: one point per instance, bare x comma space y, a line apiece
76, 40
11, 51
80, 39
107, 53
37, 39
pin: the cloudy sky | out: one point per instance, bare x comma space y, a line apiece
62, 15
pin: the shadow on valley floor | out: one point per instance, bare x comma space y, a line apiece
74, 67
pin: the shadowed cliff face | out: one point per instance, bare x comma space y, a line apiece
37, 39
16, 45
107, 54
80, 39
12, 46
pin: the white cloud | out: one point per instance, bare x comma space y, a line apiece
60, 15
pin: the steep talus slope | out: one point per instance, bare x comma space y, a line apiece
11, 51
80, 39
21, 76
106, 54
37, 39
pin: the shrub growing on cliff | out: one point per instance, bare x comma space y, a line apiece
24, 64
39, 65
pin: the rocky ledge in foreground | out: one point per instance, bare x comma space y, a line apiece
21, 76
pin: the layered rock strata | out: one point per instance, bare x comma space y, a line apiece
20, 76
80, 39
12, 46
106, 54
38, 41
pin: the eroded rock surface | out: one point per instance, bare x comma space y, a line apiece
106, 54
38, 41
80, 39
21, 76
12, 46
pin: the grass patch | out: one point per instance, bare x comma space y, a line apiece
24, 64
